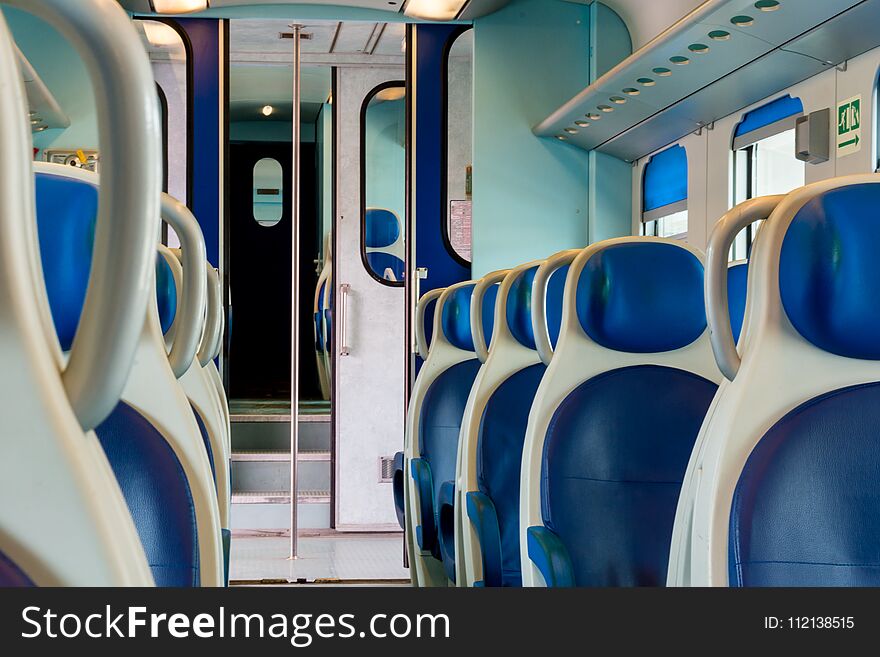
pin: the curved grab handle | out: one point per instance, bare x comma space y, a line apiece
221, 319
477, 296
717, 310
539, 300
192, 297
213, 317
124, 255
427, 299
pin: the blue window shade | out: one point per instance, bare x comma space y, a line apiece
665, 180
774, 111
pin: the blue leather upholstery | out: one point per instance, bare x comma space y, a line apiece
166, 294
206, 439
397, 489
382, 228
439, 426
553, 302
499, 457
455, 321
642, 297
737, 282
158, 495
551, 558
66, 215
379, 261
519, 308
614, 458
328, 329
482, 515
319, 328
446, 525
10, 574
805, 509
828, 268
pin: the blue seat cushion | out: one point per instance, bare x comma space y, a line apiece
11, 576
446, 525
382, 228
829, 273
440, 423
379, 261
806, 509
614, 458
158, 495
737, 283
499, 457
206, 440
166, 293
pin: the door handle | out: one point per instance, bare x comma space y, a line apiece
344, 290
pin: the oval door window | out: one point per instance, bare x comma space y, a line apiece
268, 191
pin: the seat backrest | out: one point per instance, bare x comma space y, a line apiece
788, 486
494, 425
617, 414
72, 526
435, 414
384, 244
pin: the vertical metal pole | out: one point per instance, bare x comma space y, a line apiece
294, 315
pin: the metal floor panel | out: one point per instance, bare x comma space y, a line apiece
323, 559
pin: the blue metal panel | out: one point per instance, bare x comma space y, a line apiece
774, 111
432, 251
207, 133
665, 180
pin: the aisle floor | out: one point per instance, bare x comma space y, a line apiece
323, 558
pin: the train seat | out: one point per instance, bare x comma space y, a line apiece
151, 439
788, 486
384, 243
320, 308
65, 522
200, 389
616, 416
433, 424
494, 425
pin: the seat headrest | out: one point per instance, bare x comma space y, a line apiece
166, 293
67, 210
553, 302
829, 273
519, 308
382, 228
737, 282
455, 319
642, 297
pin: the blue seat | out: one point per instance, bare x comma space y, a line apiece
492, 500
148, 471
434, 465
383, 243
635, 375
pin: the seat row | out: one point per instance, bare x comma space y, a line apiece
115, 455
636, 413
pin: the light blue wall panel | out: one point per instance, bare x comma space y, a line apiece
530, 194
268, 131
64, 73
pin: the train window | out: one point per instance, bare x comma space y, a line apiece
664, 194
764, 160
268, 184
383, 182
459, 144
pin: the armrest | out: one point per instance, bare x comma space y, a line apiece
426, 532
484, 519
550, 556
446, 521
397, 488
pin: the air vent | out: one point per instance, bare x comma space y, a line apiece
386, 469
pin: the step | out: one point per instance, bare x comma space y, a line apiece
282, 497
257, 475
275, 436
270, 510
280, 455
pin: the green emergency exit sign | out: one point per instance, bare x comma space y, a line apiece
849, 126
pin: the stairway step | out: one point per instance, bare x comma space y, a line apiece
265, 455
281, 497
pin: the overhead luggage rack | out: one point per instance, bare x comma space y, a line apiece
722, 57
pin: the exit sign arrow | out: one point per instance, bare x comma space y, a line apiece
851, 142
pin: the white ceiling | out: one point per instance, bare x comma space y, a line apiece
648, 18
143, 6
